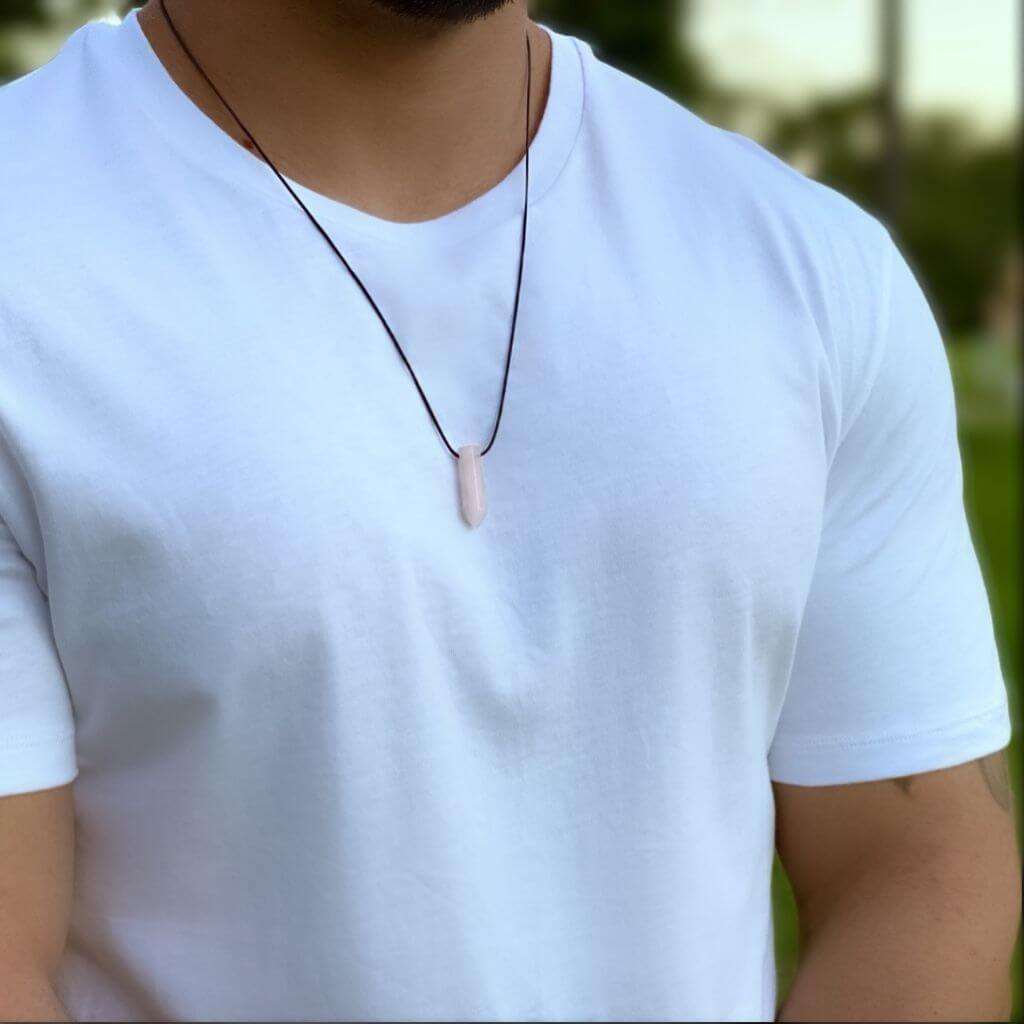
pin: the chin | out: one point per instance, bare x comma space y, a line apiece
451, 12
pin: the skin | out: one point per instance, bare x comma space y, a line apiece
908, 892
36, 867
908, 889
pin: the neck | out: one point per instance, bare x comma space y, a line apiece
402, 118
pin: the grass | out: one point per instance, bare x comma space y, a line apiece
990, 447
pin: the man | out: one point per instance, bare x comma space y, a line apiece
345, 749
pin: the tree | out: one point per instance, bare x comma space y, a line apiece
647, 40
18, 17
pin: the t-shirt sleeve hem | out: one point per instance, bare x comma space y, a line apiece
815, 762
39, 764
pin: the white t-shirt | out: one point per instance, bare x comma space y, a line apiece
338, 755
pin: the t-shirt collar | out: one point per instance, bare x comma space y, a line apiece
200, 139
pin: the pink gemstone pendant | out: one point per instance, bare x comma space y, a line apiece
471, 484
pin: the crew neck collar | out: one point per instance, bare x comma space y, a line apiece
202, 141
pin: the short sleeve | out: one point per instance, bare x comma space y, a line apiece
37, 749
896, 669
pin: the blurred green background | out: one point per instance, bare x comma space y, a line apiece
907, 106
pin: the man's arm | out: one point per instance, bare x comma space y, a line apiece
36, 861
908, 892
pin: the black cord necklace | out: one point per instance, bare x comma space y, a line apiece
469, 457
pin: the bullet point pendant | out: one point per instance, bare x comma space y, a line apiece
471, 484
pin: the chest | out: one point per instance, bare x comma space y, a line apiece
238, 461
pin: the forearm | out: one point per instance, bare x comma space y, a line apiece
909, 943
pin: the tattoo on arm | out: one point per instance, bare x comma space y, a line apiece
997, 778
903, 782
993, 770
